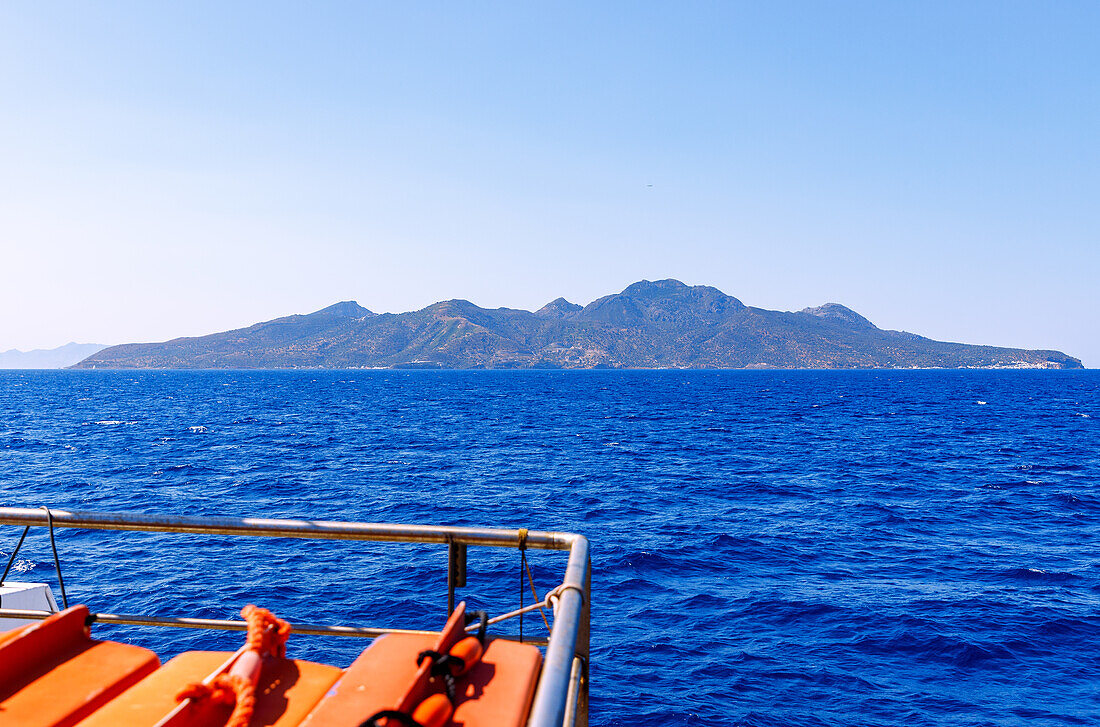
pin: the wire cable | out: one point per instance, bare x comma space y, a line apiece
56, 560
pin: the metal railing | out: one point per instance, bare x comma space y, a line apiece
562, 692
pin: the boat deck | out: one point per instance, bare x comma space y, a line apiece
561, 694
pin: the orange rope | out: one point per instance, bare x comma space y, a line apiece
267, 633
225, 689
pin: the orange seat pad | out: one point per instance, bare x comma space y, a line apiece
53, 674
9, 635
376, 680
287, 691
497, 691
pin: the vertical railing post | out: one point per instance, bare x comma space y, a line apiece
456, 571
582, 649
549, 708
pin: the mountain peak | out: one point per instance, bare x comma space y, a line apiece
838, 312
662, 302
348, 309
558, 308
454, 306
648, 288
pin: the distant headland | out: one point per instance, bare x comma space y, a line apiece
48, 358
661, 324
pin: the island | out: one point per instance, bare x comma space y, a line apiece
650, 324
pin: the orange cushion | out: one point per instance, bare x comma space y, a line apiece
376, 680
53, 674
36, 644
498, 691
288, 690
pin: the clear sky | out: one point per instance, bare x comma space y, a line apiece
176, 169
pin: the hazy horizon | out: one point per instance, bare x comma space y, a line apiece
181, 170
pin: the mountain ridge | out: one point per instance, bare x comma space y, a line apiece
650, 324
49, 358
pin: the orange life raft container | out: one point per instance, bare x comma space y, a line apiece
497, 691
53, 673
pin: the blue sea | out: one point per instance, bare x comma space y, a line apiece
769, 548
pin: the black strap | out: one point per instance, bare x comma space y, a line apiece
483, 617
441, 663
441, 668
401, 717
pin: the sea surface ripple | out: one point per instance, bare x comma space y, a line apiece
769, 548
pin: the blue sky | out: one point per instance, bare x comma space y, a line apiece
177, 169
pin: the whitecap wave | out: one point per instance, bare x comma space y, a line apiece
21, 565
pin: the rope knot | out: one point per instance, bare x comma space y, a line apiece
267, 633
225, 689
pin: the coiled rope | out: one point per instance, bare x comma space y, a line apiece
267, 633
267, 636
225, 689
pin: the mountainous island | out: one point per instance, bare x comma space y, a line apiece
662, 324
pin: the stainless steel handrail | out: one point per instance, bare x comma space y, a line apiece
548, 709
217, 624
285, 528
568, 639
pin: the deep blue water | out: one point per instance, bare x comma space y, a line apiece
769, 548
